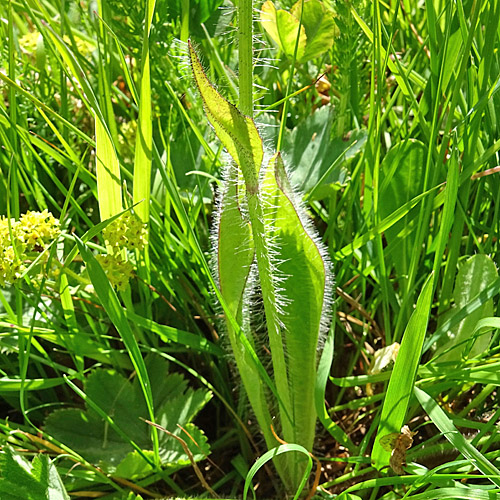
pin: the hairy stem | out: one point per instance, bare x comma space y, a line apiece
245, 56
268, 287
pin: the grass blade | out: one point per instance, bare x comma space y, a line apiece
404, 373
114, 310
456, 438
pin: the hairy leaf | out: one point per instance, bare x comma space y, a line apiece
236, 131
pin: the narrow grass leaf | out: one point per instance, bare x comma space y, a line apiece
404, 373
29, 384
144, 140
323, 372
109, 191
284, 448
456, 438
382, 226
114, 310
455, 493
171, 334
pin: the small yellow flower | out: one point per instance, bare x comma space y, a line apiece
117, 270
126, 232
39, 228
31, 233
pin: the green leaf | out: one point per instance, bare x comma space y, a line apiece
317, 29
279, 450
234, 256
237, 132
319, 25
474, 276
114, 310
89, 434
235, 248
305, 274
323, 373
316, 161
144, 140
171, 334
21, 480
402, 180
283, 28
109, 191
403, 375
456, 438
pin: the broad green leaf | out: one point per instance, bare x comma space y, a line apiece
476, 302
404, 373
237, 132
20, 480
90, 435
235, 254
474, 276
109, 191
401, 181
283, 28
235, 248
304, 273
316, 161
319, 25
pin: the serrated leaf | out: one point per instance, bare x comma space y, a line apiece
172, 453
236, 131
21, 480
91, 436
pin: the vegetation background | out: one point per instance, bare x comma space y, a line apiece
386, 115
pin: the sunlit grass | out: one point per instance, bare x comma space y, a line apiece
396, 150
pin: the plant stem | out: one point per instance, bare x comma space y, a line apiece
185, 20
268, 287
245, 56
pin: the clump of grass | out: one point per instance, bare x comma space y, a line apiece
95, 118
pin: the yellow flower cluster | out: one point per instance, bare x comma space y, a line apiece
18, 239
125, 232
117, 270
29, 42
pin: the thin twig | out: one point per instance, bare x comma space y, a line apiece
189, 454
